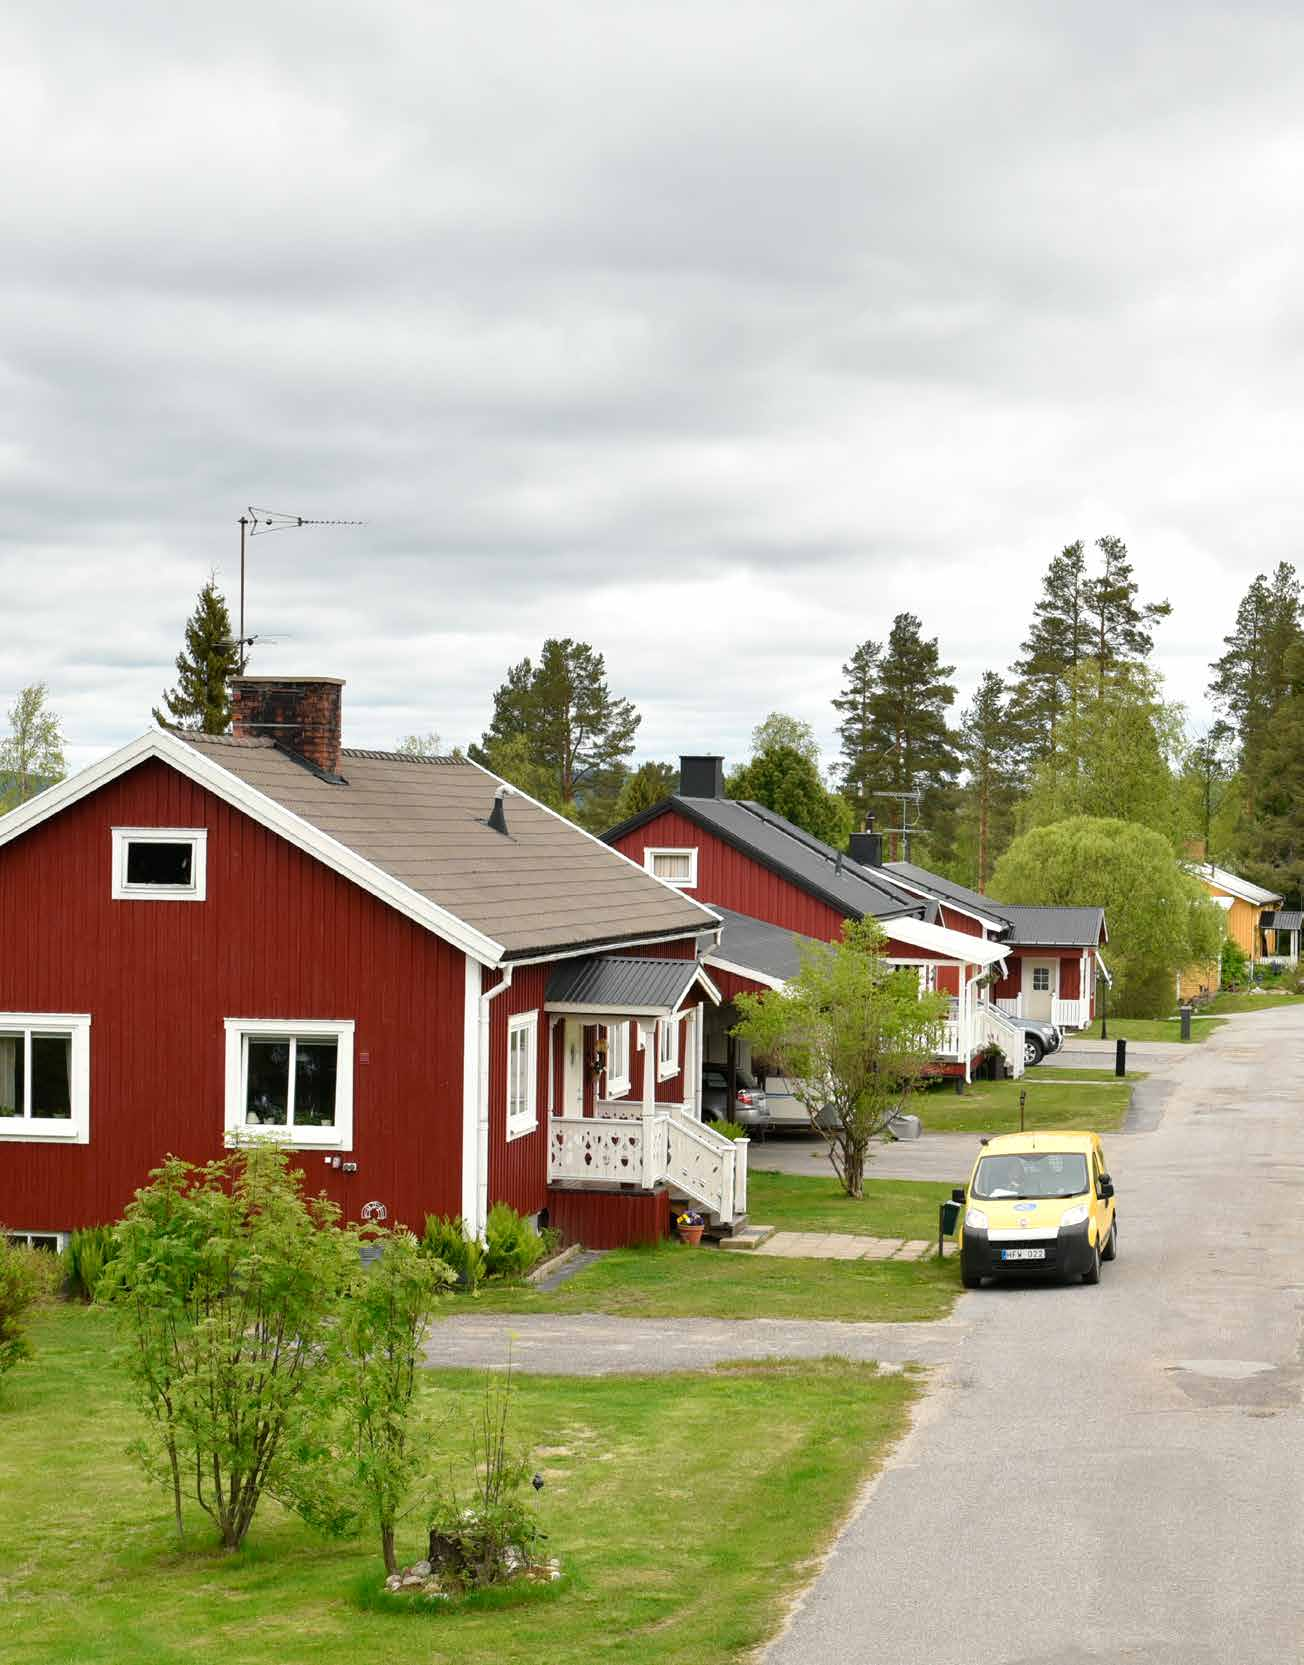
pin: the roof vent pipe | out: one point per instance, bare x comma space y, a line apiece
498, 815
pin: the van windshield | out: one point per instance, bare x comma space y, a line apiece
1032, 1174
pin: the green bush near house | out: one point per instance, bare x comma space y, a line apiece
512, 1246
89, 1251
447, 1239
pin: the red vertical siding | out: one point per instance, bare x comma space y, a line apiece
610, 1219
279, 936
518, 1168
731, 879
954, 920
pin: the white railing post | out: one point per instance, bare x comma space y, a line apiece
740, 1176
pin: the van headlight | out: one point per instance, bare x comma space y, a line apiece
975, 1219
1075, 1216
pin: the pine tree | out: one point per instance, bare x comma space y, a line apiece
1273, 844
573, 728
860, 684
909, 746
1055, 646
201, 700
1120, 624
990, 755
1249, 680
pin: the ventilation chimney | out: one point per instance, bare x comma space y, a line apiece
498, 814
701, 777
866, 847
302, 714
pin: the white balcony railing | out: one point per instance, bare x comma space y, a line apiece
1011, 1008
622, 1146
1070, 1014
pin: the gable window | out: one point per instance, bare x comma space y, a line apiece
522, 1074
290, 1080
617, 1060
1041, 978
667, 1049
160, 864
45, 1077
676, 867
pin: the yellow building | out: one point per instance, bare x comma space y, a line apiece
1252, 921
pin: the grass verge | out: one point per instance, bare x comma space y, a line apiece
1098, 1105
1144, 1029
674, 1281
1229, 1003
801, 1202
664, 1499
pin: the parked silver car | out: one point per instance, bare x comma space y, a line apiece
750, 1109
1039, 1038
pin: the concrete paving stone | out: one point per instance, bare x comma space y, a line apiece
915, 1249
882, 1248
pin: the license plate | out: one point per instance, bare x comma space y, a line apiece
1023, 1254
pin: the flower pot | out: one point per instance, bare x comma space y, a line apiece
691, 1234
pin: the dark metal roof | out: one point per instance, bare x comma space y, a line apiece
1285, 919
1055, 927
614, 983
790, 851
945, 888
755, 945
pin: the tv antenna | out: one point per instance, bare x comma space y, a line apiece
257, 523
905, 800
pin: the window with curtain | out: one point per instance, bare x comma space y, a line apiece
44, 1088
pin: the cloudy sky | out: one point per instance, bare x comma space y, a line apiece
712, 334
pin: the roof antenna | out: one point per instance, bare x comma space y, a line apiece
498, 815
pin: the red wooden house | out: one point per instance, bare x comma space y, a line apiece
436, 992
759, 869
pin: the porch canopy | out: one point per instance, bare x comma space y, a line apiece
945, 944
611, 985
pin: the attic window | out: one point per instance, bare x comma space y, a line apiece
676, 867
160, 864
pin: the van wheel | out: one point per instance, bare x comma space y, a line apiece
1110, 1251
969, 1279
1092, 1273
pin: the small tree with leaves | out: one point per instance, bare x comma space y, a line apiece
201, 700
382, 1325
31, 754
229, 1283
420, 745
852, 1035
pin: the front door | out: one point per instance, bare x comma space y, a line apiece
572, 1073
1040, 987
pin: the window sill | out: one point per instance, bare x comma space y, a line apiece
667, 1075
522, 1130
289, 1138
24, 1133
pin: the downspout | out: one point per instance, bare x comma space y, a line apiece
482, 1117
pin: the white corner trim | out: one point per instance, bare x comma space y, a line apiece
195, 891
238, 1030
192, 763
470, 1188
55, 1130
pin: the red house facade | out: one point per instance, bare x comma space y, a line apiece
398, 968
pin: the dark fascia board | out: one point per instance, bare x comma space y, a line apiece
684, 807
597, 944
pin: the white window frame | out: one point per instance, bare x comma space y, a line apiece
525, 1118
618, 1080
649, 862
59, 1130
195, 891
26, 1237
240, 1031
667, 1066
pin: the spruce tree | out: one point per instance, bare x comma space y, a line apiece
909, 746
860, 684
1273, 843
650, 784
788, 782
1249, 680
1055, 646
990, 754
201, 700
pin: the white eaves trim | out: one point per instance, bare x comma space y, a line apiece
951, 945
1240, 888
749, 972
186, 760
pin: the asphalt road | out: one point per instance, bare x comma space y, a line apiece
1114, 1473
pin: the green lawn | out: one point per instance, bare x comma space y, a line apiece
1098, 1102
1145, 1029
674, 1281
1260, 1001
685, 1508
889, 1208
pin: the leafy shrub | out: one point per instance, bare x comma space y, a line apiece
89, 1251
512, 1244
729, 1130
20, 1289
1235, 964
447, 1240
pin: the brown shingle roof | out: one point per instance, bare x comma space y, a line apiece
545, 887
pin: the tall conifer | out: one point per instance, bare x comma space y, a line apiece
853, 705
201, 699
1249, 681
990, 753
908, 744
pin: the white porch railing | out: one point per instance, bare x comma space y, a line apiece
1011, 1008
622, 1146
997, 1030
1070, 1014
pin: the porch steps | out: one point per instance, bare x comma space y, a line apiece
750, 1237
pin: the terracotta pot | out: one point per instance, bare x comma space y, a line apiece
691, 1234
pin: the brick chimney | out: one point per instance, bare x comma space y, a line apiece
302, 714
